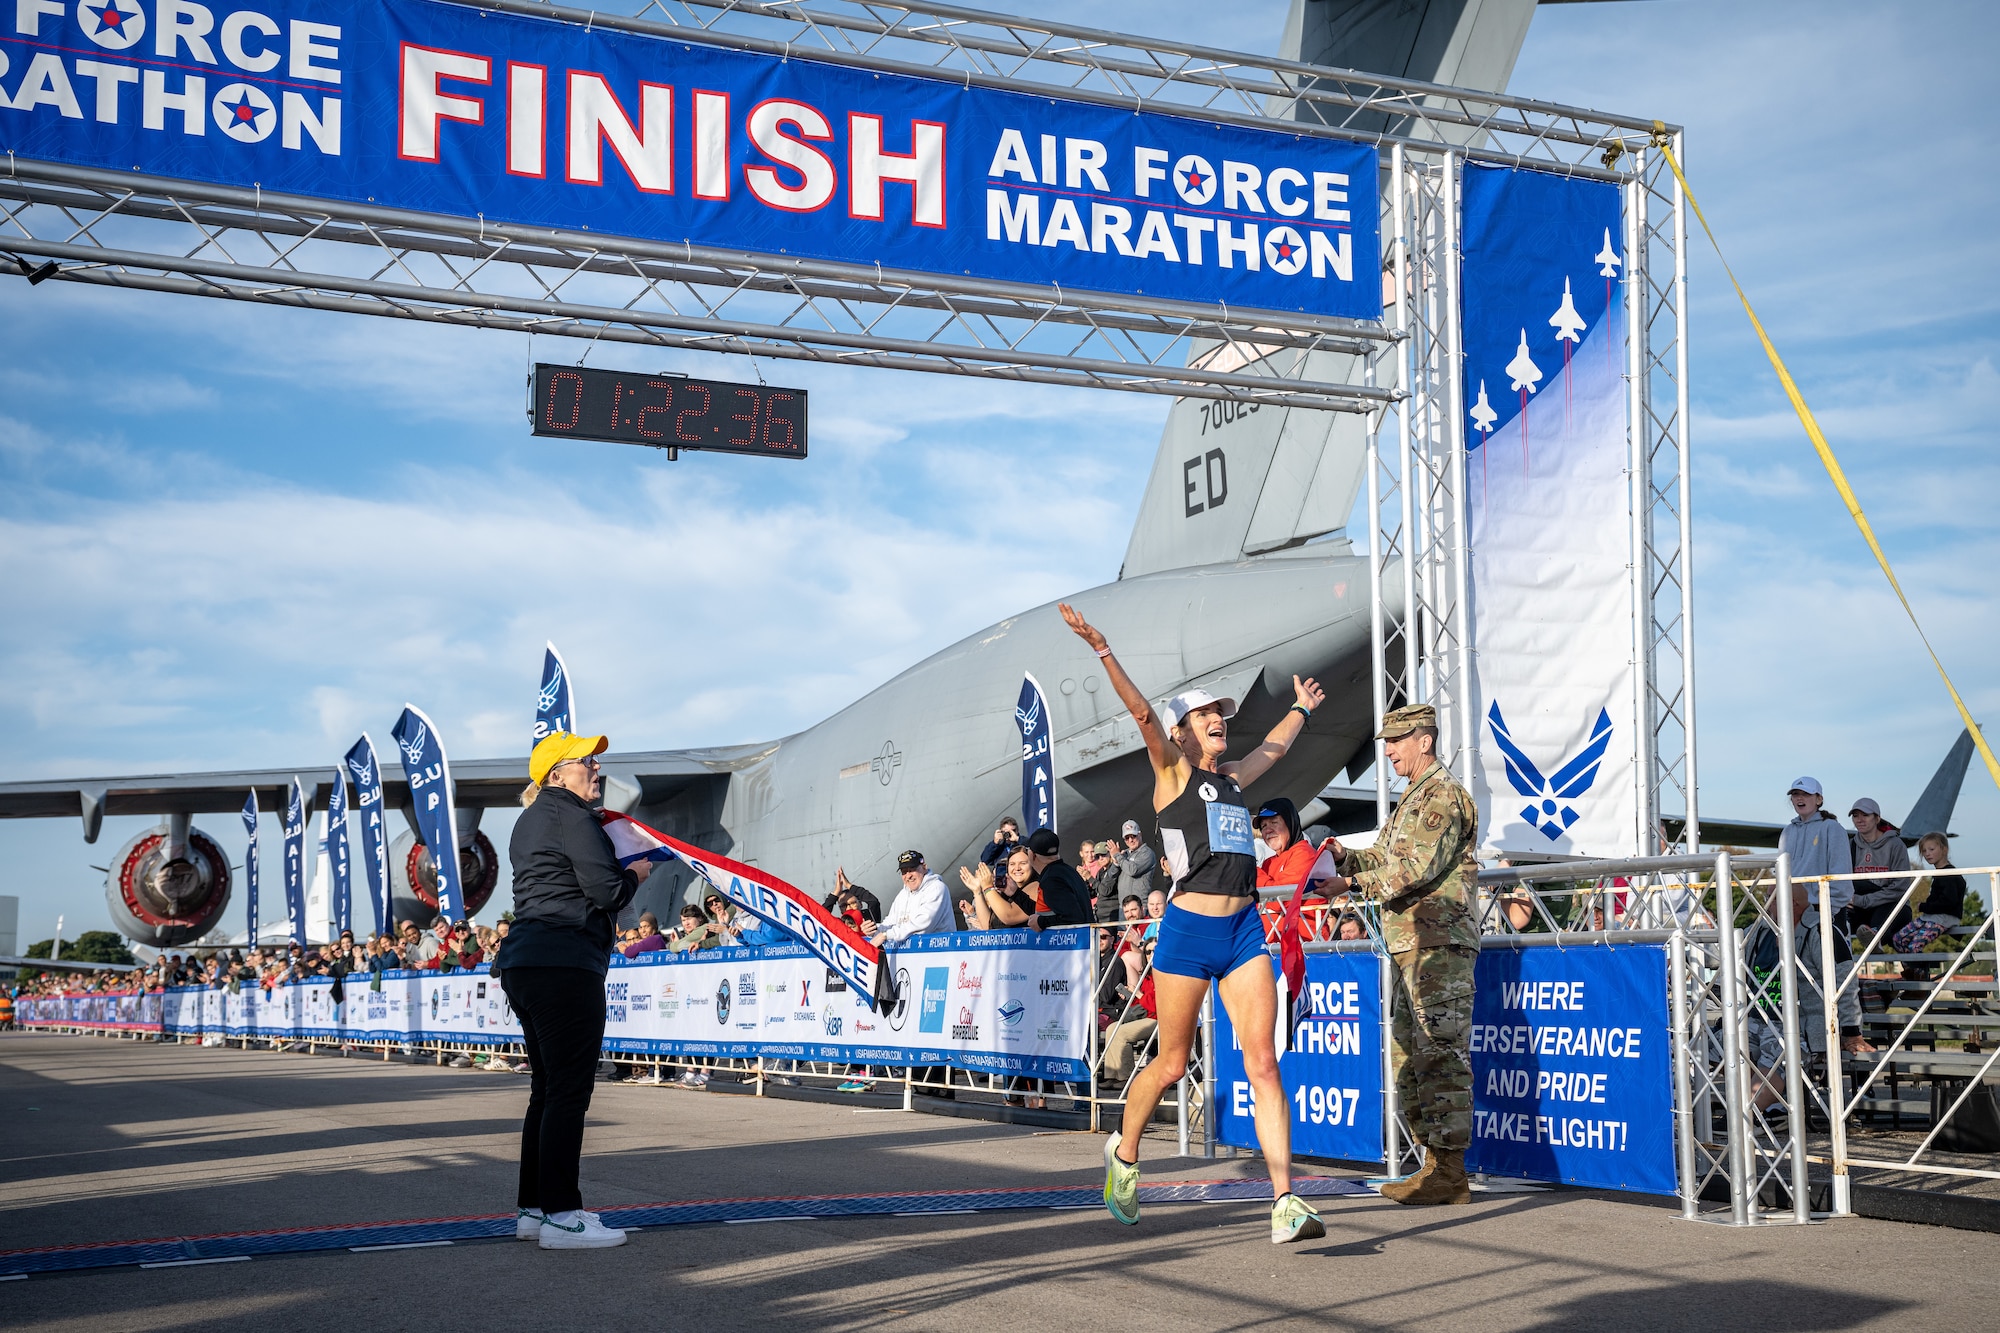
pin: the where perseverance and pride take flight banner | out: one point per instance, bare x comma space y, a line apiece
440, 108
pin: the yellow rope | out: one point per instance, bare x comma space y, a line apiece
1826, 458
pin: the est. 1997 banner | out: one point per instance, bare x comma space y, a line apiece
442, 108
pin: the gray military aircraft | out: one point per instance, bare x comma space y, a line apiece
1236, 579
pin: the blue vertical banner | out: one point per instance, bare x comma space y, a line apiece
1548, 505
336, 855
250, 868
295, 862
429, 774
1571, 1076
360, 761
1332, 1074
1038, 770
554, 710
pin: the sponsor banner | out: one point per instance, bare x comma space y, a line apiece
1332, 1073
446, 109
554, 710
360, 761
1038, 782
295, 862
250, 866
431, 794
842, 947
1549, 510
1570, 1064
135, 1012
1002, 1002
336, 855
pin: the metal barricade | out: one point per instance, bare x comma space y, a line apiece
1898, 1062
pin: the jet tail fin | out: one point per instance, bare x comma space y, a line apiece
1932, 812
1233, 478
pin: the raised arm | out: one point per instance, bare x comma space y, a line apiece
1170, 767
1258, 762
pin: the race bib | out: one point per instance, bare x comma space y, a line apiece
1228, 828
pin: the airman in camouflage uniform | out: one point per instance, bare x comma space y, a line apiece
1422, 872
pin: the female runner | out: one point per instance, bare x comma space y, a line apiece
1211, 930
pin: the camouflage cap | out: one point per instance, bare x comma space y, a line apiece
1399, 722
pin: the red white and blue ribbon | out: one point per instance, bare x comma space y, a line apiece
767, 897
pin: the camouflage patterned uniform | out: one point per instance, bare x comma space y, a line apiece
1423, 873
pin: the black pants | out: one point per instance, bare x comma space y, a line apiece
1879, 916
562, 1018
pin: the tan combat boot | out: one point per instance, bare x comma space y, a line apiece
1401, 1190
1441, 1181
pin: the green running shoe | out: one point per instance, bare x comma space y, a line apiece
1292, 1218
1121, 1183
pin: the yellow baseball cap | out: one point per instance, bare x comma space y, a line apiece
560, 747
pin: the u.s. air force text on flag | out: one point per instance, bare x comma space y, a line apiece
250, 869
429, 775
1038, 770
367, 774
446, 109
1549, 509
295, 862
338, 868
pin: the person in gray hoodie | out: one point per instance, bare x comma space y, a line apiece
1818, 845
1877, 845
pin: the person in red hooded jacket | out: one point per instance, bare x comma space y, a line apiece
1277, 825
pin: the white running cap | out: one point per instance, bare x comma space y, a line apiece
1187, 701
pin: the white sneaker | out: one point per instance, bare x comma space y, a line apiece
578, 1231
528, 1224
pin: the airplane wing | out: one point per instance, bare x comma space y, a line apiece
639, 777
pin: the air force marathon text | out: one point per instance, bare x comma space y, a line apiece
442, 109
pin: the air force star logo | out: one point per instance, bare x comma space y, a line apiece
1547, 810
413, 744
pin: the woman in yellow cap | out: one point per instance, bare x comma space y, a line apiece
568, 891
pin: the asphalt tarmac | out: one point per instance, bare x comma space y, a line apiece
113, 1141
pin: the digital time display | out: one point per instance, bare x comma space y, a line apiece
668, 411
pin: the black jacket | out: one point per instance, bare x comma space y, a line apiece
568, 887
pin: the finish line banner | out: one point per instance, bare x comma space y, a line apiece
1001, 1002
442, 108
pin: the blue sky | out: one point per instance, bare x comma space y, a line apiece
213, 513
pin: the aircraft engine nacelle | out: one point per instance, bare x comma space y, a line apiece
165, 890
415, 877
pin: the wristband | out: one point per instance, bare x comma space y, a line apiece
1105, 651
1302, 711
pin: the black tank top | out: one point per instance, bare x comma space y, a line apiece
1206, 835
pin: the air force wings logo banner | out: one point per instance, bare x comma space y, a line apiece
295, 862
448, 109
336, 855
429, 773
553, 710
1549, 508
250, 868
839, 945
1038, 774
367, 774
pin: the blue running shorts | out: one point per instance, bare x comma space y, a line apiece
1207, 947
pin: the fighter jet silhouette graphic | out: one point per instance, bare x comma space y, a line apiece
1546, 811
